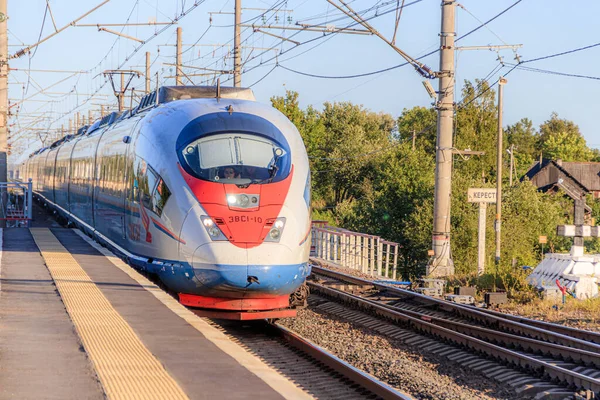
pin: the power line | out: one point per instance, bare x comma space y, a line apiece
402, 64
281, 3
562, 53
488, 21
545, 71
328, 36
135, 51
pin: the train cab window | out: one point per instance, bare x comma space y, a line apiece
253, 158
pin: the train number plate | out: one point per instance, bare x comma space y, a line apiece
244, 218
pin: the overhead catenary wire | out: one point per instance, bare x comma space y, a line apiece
132, 53
327, 37
379, 71
545, 71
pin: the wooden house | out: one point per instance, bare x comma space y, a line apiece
576, 179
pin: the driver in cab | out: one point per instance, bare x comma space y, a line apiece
230, 173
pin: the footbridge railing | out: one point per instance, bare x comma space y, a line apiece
368, 254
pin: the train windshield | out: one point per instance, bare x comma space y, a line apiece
237, 158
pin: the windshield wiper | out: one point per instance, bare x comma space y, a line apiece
273, 168
272, 172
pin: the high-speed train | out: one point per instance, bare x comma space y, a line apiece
202, 186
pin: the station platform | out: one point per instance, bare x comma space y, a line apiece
76, 322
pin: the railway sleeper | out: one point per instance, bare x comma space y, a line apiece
515, 325
503, 355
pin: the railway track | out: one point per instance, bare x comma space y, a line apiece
568, 357
318, 372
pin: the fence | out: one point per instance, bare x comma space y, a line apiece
368, 254
16, 203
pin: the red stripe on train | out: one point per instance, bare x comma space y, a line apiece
244, 228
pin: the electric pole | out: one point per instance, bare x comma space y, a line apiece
499, 149
237, 51
147, 72
120, 92
442, 264
178, 59
3, 98
414, 137
512, 162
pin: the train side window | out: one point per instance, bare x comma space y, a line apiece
160, 196
152, 180
149, 188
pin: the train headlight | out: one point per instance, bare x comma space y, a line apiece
214, 232
208, 222
212, 229
275, 234
243, 200
276, 230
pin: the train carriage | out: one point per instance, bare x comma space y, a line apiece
204, 187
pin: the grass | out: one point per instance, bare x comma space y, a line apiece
577, 313
525, 301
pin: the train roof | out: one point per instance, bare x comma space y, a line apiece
172, 93
165, 94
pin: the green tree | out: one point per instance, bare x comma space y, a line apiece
477, 129
524, 138
561, 139
367, 176
394, 203
309, 124
353, 140
421, 122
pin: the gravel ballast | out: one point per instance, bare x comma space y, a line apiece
423, 375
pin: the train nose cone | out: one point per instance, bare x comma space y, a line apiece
222, 269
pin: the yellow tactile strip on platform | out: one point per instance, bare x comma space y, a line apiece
286, 388
127, 370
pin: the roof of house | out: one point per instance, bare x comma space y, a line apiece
585, 174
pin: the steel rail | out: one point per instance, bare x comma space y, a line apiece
507, 339
352, 373
471, 313
552, 372
549, 326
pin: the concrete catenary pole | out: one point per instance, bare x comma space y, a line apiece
178, 59
3, 98
237, 50
147, 72
442, 264
121, 94
499, 149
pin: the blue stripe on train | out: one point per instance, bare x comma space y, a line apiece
225, 280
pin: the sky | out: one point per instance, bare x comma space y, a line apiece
542, 28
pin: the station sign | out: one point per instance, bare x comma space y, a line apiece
481, 195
